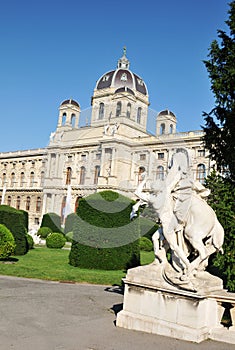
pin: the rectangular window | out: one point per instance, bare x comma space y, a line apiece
98, 156
83, 156
201, 153
160, 155
142, 156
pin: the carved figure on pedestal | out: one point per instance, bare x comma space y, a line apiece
189, 225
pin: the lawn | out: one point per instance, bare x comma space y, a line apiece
52, 264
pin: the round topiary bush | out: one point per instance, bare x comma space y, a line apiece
55, 240
7, 242
30, 241
145, 244
43, 232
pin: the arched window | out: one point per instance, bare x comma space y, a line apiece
4, 179
13, 177
63, 204
22, 178
162, 129
128, 111
42, 178
9, 200
68, 176
171, 129
118, 109
101, 111
97, 174
64, 118
140, 173
31, 180
18, 203
38, 204
160, 173
82, 175
201, 173
27, 206
139, 112
73, 120
77, 203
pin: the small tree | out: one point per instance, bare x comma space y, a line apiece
7, 242
55, 240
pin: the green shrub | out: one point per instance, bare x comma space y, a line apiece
69, 222
103, 235
15, 221
43, 232
145, 244
7, 242
30, 241
53, 221
55, 240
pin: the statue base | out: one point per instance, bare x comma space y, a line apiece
153, 305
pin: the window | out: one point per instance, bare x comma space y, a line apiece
22, 178
118, 109
140, 174
142, 156
160, 155
73, 120
162, 129
9, 200
101, 111
42, 178
36, 221
97, 174
82, 175
4, 179
68, 176
201, 153
98, 156
31, 180
139, 112
64, 118
83, 157
38, 204
160, 173
171, 129
201, 173
18, 203
27, 207
13, 177
128, 111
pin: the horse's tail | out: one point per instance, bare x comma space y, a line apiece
217, 235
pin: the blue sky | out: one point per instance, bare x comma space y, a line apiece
54, 50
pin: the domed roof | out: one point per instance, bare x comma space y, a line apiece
122, 77
167, 112
71, 102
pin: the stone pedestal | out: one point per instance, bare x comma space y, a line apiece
152, 305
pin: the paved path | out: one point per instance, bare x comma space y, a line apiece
40, 315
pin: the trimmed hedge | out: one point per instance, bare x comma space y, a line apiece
30, 241
53, 221
43, 232
145, 244
55, 240
69, 222
15, 221
7, 242
103, 235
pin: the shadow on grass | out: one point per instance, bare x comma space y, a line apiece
9, 260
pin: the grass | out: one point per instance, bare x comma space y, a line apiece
52, 264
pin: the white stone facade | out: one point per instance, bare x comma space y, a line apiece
107, 153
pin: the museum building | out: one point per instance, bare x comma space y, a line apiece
108, 153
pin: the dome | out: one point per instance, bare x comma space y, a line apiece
122, 77
71, 102
166, 112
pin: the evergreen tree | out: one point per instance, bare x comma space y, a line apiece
220, 122
222, 201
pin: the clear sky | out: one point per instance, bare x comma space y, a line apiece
52, 50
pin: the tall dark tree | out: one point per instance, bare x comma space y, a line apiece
220, 122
